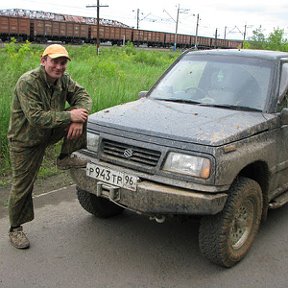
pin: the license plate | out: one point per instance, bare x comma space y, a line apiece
110, 176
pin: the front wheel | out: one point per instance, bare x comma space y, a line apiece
226, 237
100, 207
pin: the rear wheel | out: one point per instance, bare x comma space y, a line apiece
100, 207
226, 238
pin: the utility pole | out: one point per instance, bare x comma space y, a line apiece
98, 23
137, 27
138, 17
176, 21
138, 22
176, 31
216, 35
245, 31
138, 11
196, 37
225, 31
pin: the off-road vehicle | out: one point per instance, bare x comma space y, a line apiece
208, 139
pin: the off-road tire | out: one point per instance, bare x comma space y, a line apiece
225, 238
100, 207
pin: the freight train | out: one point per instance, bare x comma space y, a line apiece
41, 27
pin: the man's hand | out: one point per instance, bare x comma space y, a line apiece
75, 130
79, 115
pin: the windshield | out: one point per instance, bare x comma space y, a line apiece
218, 81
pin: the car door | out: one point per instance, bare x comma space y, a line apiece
279, 182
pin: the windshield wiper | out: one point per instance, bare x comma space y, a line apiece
178, 100
226, 106
232, 107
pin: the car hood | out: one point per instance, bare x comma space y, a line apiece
181, 122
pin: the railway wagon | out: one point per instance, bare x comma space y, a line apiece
169, 39
204, 42
76, 31
224, 43
14, 26
42, 30
151, 38
234, 44
189, 40
218, 42
110, 33
182, 40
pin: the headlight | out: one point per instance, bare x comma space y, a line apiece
188, 164
92, 141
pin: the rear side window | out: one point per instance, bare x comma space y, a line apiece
283, 88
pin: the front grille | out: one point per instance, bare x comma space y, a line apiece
134, 155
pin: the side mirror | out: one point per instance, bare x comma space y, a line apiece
284, 116
142, 94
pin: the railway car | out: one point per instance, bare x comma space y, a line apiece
116, 35
184, 40
169, 39
78, 29
234, 44
151, 38
204, 42
14, 26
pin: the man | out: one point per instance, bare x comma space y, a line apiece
39, 117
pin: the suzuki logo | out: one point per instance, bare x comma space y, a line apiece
128, 153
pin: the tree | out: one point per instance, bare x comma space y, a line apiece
257, 41
275, 40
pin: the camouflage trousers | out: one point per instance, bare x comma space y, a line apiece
25, 164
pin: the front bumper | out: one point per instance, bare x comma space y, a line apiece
153, 198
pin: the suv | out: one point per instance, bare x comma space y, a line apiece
208, 139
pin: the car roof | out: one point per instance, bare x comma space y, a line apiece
263, 54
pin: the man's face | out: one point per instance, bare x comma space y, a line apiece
54, 68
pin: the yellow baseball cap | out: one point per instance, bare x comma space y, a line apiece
55, 51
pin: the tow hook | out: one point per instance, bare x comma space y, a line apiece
158, 219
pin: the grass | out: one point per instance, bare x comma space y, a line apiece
114, 77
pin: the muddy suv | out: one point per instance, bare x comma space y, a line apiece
208, 139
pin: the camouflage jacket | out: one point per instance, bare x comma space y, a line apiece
38, 107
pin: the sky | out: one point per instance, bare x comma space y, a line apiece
224, 16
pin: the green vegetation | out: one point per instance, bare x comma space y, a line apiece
274, 41
115, 76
